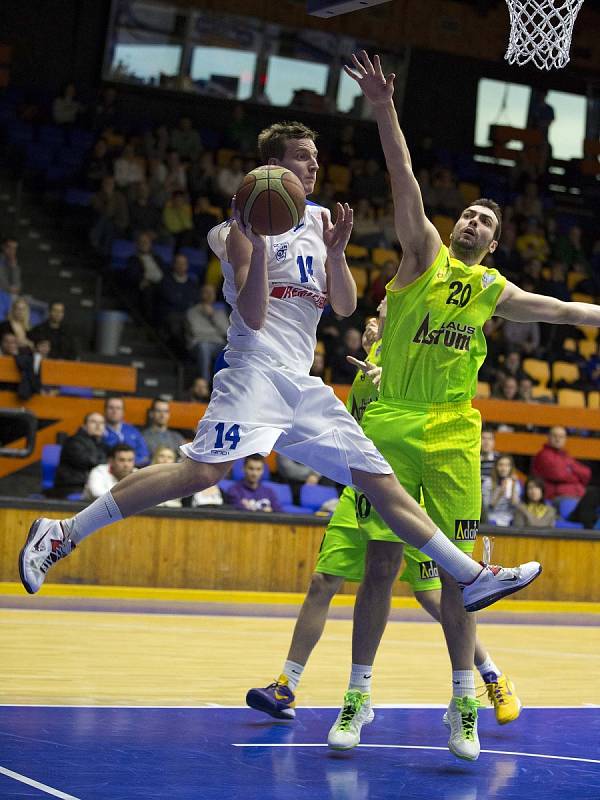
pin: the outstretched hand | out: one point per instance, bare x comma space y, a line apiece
336, 236
370, 370
376, 87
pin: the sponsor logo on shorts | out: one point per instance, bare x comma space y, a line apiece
450, 334
362, 505
429, 569
466, 530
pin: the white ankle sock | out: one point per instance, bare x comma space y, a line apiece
101, 512
463, 683
360, 678
293, 673
450, 558
488, 670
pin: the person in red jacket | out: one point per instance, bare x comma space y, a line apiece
564, 477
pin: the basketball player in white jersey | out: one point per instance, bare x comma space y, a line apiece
265, 399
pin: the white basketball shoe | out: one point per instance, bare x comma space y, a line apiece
46, 544
355, 712
495, 582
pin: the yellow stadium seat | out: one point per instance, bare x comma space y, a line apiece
565, 371
470, 192
214, 274
379, 255
593, 400
483, 389
589, 331
571, 397
356, 251
361, 279
570, 345
340, 177
587, 348
541, 391
224, 156
573, 278
579, 297
444, 226
320, 347
546, 273
538, 370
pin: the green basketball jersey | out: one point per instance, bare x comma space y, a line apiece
363, 391
433, 342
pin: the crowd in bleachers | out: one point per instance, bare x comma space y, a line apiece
153, 192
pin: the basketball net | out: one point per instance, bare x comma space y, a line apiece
541, 31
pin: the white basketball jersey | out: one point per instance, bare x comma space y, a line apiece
297, 292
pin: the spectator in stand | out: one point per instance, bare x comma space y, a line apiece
328, 195
79, 455
565, 477
206, 328
17, 322
388, 226
317, 369
371, 182
120, 432
511, 365
112, 216
166, 455
446, 198
534, 512
121, 463
506, 256
176, 178
142, 275
529, 205
593, 370
526, 394
532, 242
505, 493
156, 143
489, 455
249, 494
506, 389
63, 343
130, 170
345, 146
199, 391
9, 344
205, 217
106, 111
228, 180
157, 176
143, 214
176, 292
240, 131
65, 108
556, 285
98, 166
185, 140
202, 176
178, 219
341, 370
296, 474
158, 433
377, 289
366, 230
10, 271
524, 337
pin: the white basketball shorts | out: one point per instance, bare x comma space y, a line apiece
258, 405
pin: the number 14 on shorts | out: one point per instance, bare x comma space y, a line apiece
231, 435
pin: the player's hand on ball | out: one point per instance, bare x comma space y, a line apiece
336, 236
370, 370
253, 238
376, 87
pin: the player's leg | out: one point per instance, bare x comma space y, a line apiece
218, 441
341, 557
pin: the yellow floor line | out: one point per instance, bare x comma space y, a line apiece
78, 591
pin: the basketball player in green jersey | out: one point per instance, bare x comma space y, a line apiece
423, 422
342, 558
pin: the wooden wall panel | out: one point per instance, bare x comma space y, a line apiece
237, 555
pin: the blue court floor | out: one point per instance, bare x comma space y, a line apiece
117, 753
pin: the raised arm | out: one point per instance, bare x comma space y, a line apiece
419, 239
520, 306
246, 252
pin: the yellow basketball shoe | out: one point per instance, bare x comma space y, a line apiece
503, 697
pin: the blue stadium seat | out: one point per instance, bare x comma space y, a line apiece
197, 260
225, 485
312, 496
81, 139
566, 506
282, 490
76, 391
52, 134
164, 251
120, 251
563, 523
78, 197
237, 471
75, 496
290, 508
5, 304
50, 461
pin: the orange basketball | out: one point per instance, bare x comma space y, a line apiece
271, 200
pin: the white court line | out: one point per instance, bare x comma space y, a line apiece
430, 747
36, 784
207, 706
